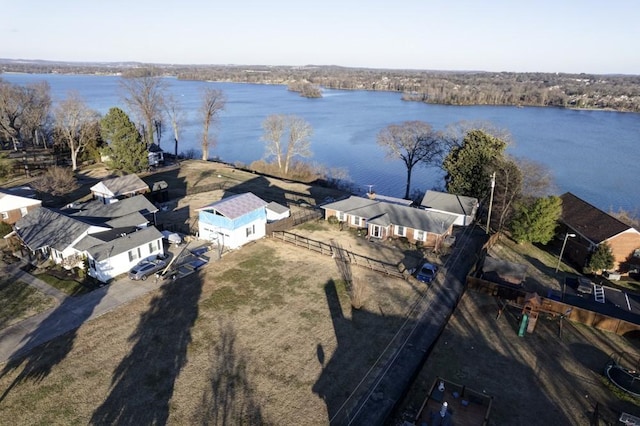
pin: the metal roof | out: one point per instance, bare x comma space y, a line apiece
237, 205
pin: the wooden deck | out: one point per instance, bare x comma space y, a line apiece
466, 407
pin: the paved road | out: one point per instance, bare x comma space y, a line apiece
69, 314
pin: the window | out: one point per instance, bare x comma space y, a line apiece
153, 246
5, 215
92, 264
251, 230
401, 230
23, 211
419, 235
133, 255
341, 217
376, 231
356, 220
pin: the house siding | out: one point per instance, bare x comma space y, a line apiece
14, 215
579, 249
623, 246
234, 232
119, 264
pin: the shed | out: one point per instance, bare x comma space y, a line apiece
276, 212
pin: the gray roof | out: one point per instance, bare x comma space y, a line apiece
351, 203
132, 219
98, 211
235, 206
277, 208
46, 227
386, 198
101, 250
452, 203
385, 214
121, 185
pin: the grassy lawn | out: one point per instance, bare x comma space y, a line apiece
19, 301
69, 286
266, 335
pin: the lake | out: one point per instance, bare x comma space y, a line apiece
593, 154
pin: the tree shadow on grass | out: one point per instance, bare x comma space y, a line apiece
142, 385
229, 397
52, 340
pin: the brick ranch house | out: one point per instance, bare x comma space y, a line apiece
384, 220
593, 227
15, 204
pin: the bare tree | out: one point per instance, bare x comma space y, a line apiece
176, 116
56, 181
23, 111
286, 136
213, 101
144, 94
76, 124
508, 188
537, 180
413, 142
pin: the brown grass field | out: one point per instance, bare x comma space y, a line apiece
267, 335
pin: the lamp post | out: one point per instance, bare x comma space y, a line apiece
564, 243
493, 185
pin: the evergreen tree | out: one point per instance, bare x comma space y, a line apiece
468, 166
126, 150
536, 222
601, 259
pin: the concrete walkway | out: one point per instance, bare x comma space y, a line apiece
70, 313
15, 271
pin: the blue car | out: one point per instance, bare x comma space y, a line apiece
426, 272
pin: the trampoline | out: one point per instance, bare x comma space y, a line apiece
626, 379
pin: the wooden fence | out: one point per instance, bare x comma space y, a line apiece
555, 307
334, 251
295, 219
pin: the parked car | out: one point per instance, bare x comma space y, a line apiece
172, 237
145, 268
426, 272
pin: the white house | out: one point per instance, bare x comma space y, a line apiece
233, 221
109, 256
112, 238
463, 208
110, 190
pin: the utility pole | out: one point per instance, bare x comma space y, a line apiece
493, 185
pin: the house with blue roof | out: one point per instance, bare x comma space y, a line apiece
233, 221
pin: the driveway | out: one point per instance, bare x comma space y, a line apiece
70, 314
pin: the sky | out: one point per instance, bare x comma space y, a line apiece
570, 36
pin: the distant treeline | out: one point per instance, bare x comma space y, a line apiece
614, 92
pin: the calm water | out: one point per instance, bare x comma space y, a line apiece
593, 154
